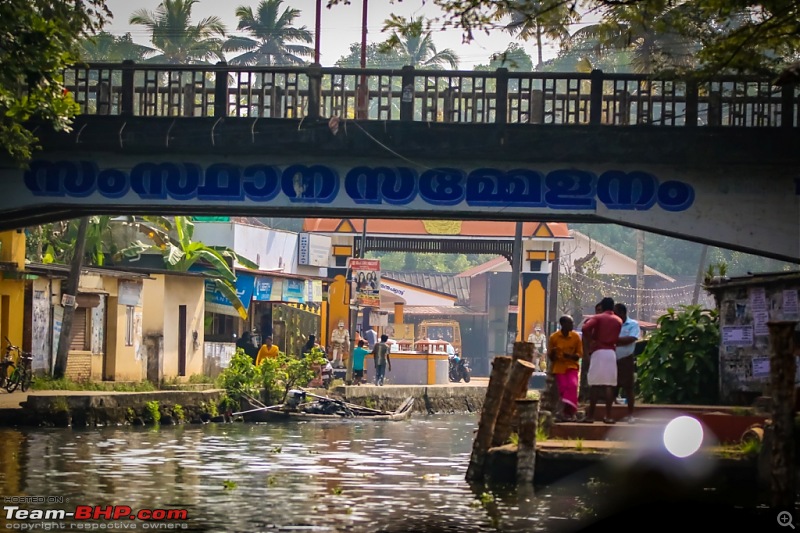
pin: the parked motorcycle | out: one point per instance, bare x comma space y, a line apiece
459, 369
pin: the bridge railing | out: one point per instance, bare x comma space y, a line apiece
409, 94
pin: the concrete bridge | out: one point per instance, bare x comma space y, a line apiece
710, 160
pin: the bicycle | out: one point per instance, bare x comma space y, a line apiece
22, 374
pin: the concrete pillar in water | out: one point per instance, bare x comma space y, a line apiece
782, 372
528, 412
491, 405
516, 388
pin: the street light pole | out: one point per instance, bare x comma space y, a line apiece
361, 99
317, 31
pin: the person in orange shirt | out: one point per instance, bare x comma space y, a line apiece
267, 351
565, 351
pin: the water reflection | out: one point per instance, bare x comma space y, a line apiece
345, 476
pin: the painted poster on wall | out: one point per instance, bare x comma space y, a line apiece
367, 277
294, 291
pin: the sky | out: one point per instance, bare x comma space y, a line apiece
341, 26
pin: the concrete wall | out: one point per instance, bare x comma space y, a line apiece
744, 338
41, 325
188, 291
123, 362
12, 290
217, 356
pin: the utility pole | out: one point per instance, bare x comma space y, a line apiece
362, 252
639, 274
68, 300
317, 30
700, 272
516, 266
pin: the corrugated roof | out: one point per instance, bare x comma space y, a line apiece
440, 310
436, 281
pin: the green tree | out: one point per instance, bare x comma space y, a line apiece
680, 364
176, 39
55, 242
741, 36
39, 39
172, 238
514, 58
414, 44
107, 47
538, 20
648, 32
376, 58
273, 38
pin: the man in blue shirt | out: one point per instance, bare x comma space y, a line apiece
626, 366
358, 362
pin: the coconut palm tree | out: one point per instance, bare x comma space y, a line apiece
414, 44
273, 38
176, 38
107, 47
650, 36
538, 20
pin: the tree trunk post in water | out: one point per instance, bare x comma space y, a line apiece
73, 283
491, 405
516, 388
782, 373
528, 411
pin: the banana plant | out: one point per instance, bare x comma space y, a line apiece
172, 238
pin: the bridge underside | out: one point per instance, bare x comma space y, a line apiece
733, 187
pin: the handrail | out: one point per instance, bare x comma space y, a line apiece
412, 94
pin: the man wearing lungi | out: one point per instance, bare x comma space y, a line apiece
601, 333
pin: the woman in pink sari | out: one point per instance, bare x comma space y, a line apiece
565, 351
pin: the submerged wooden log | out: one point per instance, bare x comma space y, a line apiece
782, 372
516, 388
491, 405
528, 412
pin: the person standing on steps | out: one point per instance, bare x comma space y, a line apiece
566, 350
626, 364
359, 354
382, 361
601, 333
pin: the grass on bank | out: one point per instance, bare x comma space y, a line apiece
48, 383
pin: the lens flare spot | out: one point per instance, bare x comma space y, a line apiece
683, 436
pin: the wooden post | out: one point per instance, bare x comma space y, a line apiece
522, 350
516, 388
491, 405
528, 411
782, 372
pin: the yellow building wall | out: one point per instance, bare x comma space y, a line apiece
12, 288
533, 306
338, 305
182, 290
122, 363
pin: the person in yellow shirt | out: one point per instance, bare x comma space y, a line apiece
267, 351
565, 351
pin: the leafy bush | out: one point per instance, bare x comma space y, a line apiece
178, 413
680, 364
240, 378
284, 373
153, 411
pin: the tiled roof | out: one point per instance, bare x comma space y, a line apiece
437, 281
498, 264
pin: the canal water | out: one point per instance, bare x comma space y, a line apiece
295, 476
354, 476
